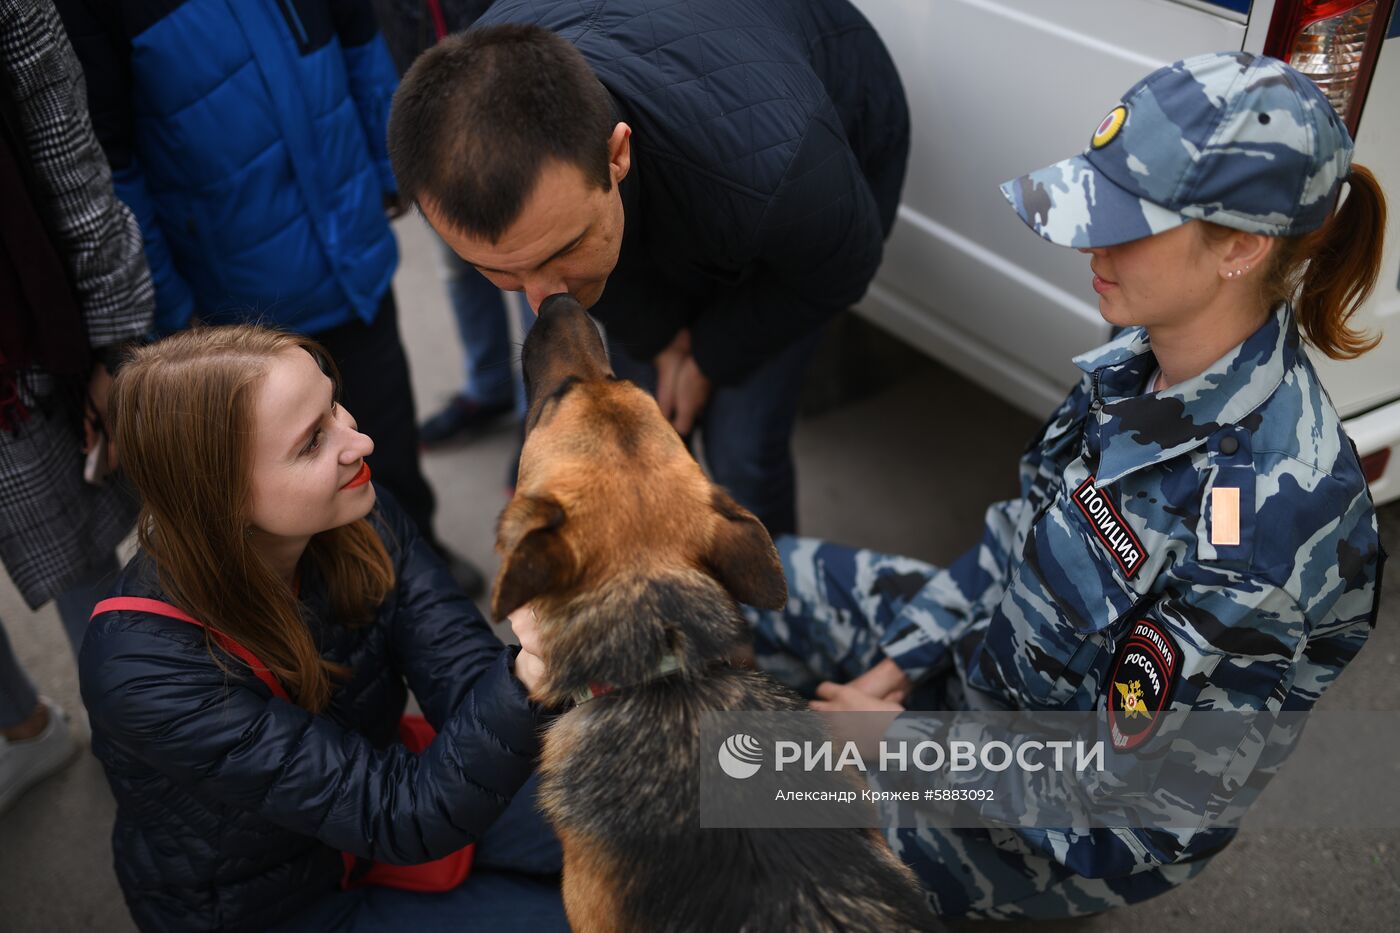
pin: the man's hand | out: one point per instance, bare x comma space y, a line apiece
95, 413
529, 666
692, 393
682, 390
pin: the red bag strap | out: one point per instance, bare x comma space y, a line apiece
156, 607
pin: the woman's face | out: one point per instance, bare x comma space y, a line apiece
308, 469
1164, 280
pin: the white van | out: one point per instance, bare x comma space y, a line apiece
999, 87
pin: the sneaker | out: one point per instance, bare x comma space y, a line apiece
26, 762
461, 417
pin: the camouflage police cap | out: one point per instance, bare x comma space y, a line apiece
1237, 139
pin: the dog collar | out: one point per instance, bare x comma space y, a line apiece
596, 688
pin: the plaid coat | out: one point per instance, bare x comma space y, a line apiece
53, 526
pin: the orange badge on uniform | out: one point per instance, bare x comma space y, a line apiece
1110, 126
1225, 516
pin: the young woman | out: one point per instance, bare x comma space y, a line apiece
1193, 531
250, 734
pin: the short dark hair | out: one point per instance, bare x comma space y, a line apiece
480, 113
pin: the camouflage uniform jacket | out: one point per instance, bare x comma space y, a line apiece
1223, 522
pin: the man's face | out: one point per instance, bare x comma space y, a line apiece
566, 239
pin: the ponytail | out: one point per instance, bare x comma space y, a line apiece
1329, 273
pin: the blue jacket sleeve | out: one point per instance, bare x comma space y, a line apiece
174, 299
440, 641
372, 77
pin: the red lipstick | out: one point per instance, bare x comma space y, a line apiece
360, 478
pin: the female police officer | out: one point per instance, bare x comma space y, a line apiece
1194, 495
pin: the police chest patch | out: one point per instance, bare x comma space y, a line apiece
1143, 679
1112, 531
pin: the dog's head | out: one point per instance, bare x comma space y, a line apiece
608, 491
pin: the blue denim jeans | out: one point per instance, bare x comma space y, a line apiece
746, 430
17, 695
513, 886
483, 325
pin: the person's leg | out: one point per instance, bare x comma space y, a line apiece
747, 436
526, 316
643, 373
487, 902
18, 699
75, 603
521, 839
375, 389
481, 311
513, 885
991, 874
35, 740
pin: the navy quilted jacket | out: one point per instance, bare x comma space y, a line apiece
768, 152
249, 139
233, 807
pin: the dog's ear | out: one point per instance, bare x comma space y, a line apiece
742, 557
535, 559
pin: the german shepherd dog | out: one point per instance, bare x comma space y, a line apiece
633, 561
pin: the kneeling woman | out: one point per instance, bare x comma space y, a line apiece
1193, 531
246, 687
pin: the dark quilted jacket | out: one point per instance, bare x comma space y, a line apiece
233, 807
768, 152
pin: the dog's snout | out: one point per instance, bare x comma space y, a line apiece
563, 300
563, 343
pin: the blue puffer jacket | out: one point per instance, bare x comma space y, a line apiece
233, 807
248, 139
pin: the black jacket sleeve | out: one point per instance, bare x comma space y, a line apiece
440, 641
818, 246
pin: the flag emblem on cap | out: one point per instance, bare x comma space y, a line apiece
1110, 126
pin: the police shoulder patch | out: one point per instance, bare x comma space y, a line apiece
1109, 526
1109, 127
1142, 681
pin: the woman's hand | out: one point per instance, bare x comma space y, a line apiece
847, 698
529, 666
864, 731
884, 681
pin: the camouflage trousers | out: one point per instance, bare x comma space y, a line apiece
840, 601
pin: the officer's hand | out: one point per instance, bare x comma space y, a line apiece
884, 681
668, 366
692, 392
845, 698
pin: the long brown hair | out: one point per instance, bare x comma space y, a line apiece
1329, 273
182, 420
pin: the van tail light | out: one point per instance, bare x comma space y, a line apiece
1373, 464
1334, 42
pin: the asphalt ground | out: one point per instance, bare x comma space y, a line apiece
907, 470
